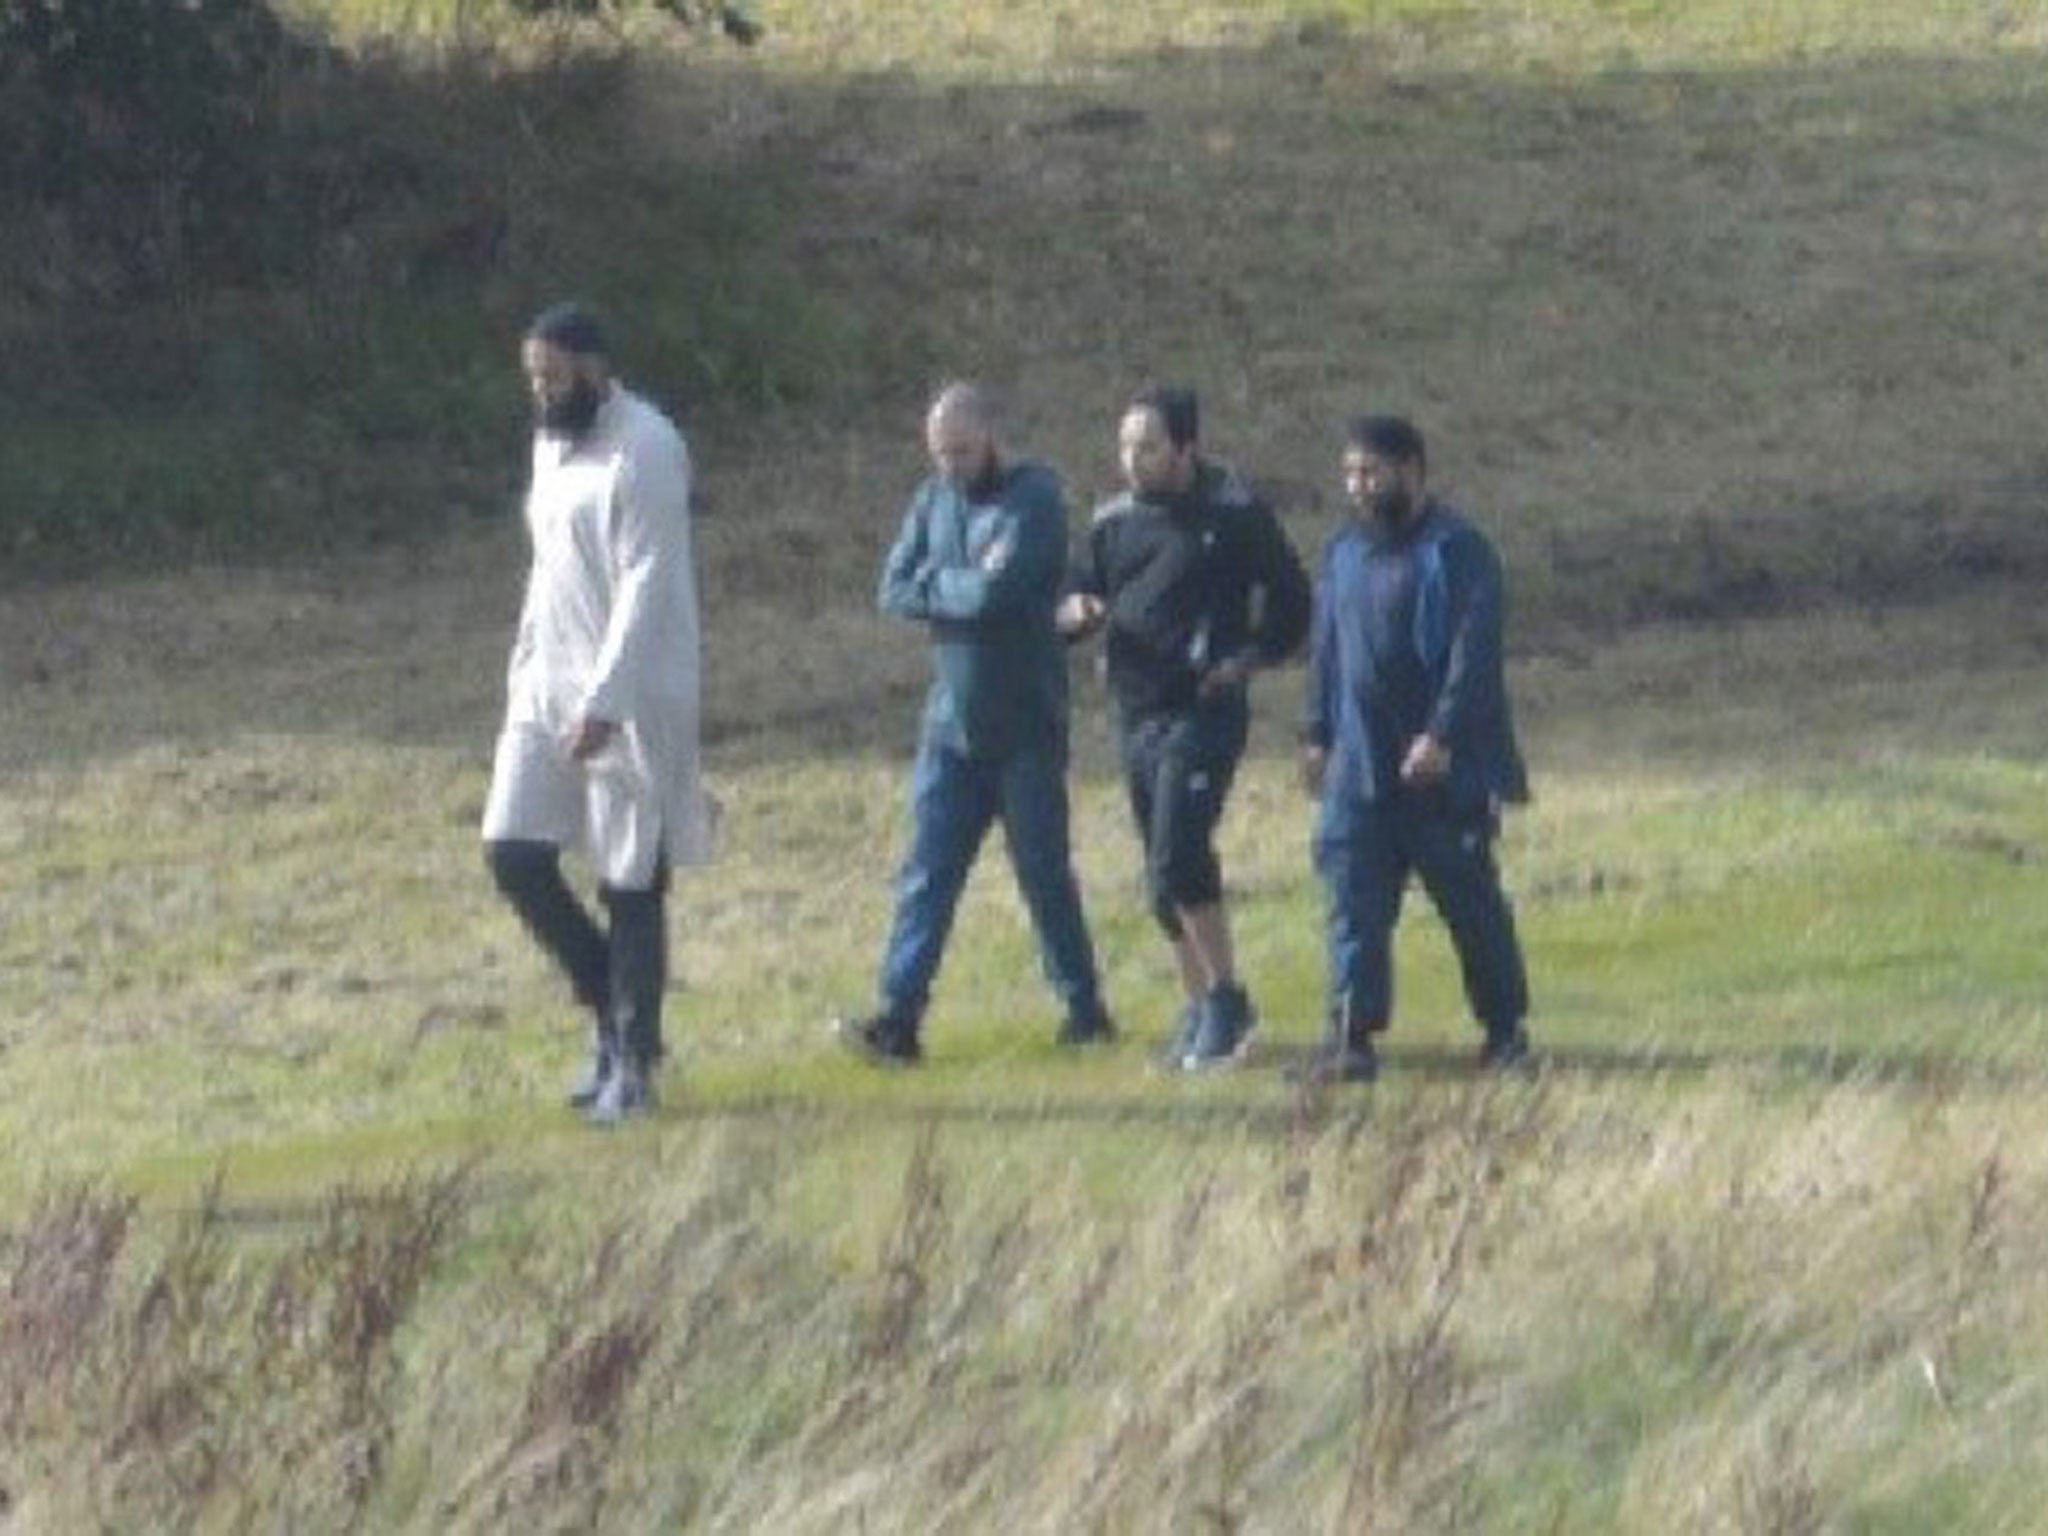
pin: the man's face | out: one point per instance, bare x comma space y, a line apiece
566, 388
1385, 491
1153, 465
961, 450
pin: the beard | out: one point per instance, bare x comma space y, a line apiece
1390, 509
981, 483
573, 414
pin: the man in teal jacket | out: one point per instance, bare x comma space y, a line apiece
1409, 741
979, 562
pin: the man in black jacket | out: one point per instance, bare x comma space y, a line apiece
1197, 586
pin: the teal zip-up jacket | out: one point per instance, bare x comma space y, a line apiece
1459, 603
982, 572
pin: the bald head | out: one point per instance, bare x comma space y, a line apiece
960, 434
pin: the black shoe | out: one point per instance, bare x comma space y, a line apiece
1340, 1061
1224, 1023
883, 1039
1095, 1028
1506, 1050
626, 1092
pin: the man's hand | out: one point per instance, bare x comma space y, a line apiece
1079, 614
591, 737
1314, 761
1428, 762
1224, 677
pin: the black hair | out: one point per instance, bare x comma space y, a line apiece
1388, 437
1179, 411
572, 328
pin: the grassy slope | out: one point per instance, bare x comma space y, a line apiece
1759, 1253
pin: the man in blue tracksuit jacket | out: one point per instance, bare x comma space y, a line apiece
1409, 741
979, 562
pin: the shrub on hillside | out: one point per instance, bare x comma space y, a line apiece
150, 148
134, 137
255, 286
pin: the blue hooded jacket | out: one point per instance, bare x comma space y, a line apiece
1459, 603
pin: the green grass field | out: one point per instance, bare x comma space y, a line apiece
1725, 320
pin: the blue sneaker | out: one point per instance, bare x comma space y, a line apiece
1223, 1024
605, 1056
1182, 1039
628, 1091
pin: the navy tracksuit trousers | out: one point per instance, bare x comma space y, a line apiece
1365, 851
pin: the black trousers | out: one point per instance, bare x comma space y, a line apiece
1177, 773
618, 972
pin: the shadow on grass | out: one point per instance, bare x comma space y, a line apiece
1265, 1099
1931, 1071
1177, 1102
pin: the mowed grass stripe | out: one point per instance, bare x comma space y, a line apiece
287, 973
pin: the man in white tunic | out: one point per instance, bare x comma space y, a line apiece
599, 749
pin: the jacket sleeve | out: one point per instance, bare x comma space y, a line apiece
906, 573
1020, 566
1084, 571
650, 536
1319, 718
1286, 602
1472, 684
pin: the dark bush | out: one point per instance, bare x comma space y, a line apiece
256, 288
152, 147
134, 136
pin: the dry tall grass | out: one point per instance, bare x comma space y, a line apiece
1566, 1307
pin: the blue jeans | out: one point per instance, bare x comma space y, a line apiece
1365, 851
954, 799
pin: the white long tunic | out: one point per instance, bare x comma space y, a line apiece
608, 630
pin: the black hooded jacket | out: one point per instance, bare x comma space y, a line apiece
1190, 581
